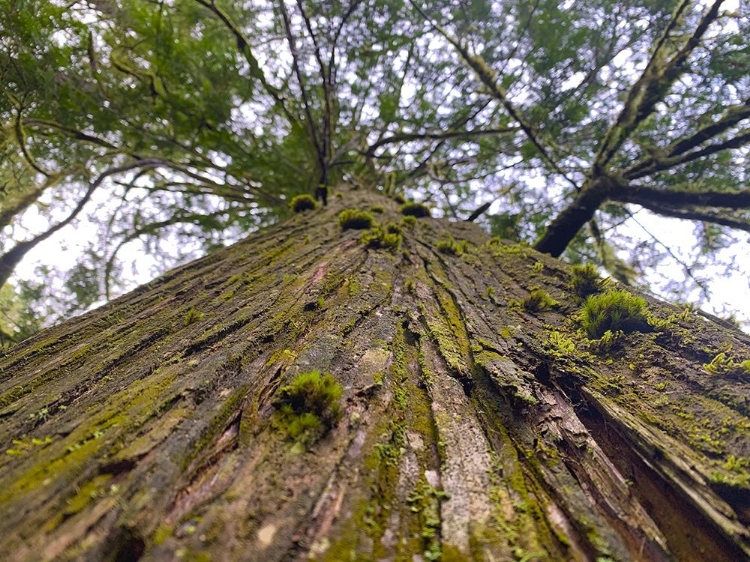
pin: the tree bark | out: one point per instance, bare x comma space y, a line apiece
470, 427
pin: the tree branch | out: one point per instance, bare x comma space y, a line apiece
410, 137
681, 197
312, 129
13, 257
659, 164
243, 46
653, 84
488, 77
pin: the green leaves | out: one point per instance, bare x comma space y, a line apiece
245, 109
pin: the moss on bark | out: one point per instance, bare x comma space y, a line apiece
470, 428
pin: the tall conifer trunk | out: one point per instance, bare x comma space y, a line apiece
474, 423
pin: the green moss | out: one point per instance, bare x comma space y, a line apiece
425, 501
561, 343
451, 246
308, 407
398, 198
417, 210
392, 228
608, 340
192, 316
302, 203
586, 280
384, 238
724, 364
377, 209
162, 533
355, 219
613, 311
409, 221
538, 299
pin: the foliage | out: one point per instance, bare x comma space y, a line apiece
308, 407
167, 129
355, 219
192, 316
301, 203
613, 311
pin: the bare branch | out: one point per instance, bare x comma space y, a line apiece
147, 229
298, 73
327, 84
13, 257
479, 212
68, 131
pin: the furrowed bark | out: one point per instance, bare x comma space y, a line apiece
145, 430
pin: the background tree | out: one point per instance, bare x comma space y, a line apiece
184, 125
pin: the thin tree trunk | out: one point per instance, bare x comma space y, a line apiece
470, 429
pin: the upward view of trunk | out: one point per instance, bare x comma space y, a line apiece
474, 423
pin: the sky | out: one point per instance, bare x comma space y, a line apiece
729, 290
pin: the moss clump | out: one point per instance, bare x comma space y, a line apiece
608, 340
355, 219
398, 198
418, 210
302, 203
586, 280
386, 238
192, 316
377, 209
538, 299
452, 247
613, 311
724, 364
409, 221
308, 407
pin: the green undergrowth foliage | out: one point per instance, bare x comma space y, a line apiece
586, 280
417, 210
614, 311
302, 203
355, 219
386, 237
308, 407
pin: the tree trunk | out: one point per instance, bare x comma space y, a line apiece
473, 424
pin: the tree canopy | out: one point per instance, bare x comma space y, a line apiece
182, 125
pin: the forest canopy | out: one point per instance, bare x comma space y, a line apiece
164, 129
